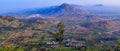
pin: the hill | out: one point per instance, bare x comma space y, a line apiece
32, 28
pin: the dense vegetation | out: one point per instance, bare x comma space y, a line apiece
42, 34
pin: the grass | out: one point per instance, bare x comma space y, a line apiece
64, 49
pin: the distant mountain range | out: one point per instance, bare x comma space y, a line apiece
52, 11
67, 9
64, 12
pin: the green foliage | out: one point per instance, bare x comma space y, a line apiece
118, 42
11, 48
20, 49
59, 34
64, 49
1, 49
118, 46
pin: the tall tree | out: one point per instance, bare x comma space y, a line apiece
59, 34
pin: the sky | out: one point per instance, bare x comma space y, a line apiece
12, 5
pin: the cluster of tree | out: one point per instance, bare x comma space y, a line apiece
11, 49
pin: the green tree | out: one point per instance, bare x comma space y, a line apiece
118, 46
7, 48
20, 49
12, 48
59, 34
83, 48
1, 49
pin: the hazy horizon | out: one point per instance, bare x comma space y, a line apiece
13, 5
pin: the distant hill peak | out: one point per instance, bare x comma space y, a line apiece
65, 6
